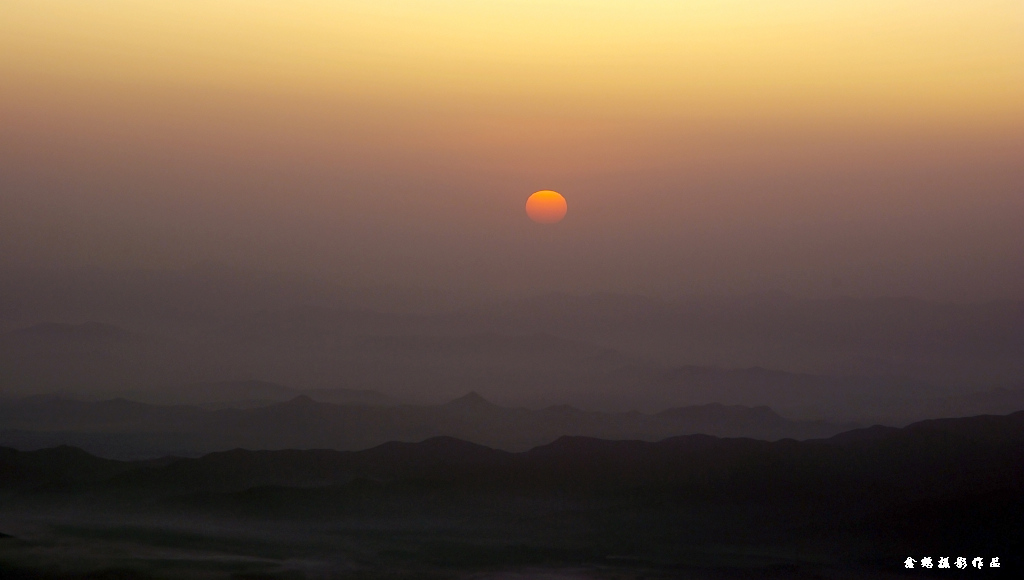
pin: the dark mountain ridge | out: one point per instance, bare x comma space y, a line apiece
851, 506
930, 457
303, 423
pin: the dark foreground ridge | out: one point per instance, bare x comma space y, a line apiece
857, 504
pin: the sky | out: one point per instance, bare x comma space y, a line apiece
814, 147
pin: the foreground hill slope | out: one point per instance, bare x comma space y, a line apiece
850, 506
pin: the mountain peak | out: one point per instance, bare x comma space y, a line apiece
302, 400
471, 400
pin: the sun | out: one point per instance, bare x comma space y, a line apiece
546, 207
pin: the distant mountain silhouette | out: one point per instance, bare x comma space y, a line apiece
348, 396
471, 401
122, 428
102, 359
254, 393
91, 359
881, 359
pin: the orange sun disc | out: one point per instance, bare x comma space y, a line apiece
546, 207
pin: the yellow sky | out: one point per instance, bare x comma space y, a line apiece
743, 143
739, 59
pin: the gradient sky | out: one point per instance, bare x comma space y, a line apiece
816, 147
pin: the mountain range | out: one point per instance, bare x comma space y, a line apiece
102, 334
98, 361
855, 505
128, 429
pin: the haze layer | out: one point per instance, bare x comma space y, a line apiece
813, 147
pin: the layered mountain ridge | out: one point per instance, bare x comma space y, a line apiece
129, 429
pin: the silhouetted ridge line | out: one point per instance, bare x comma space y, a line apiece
471, 400
927, 459
136, 430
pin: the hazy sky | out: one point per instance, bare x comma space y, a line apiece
810, 146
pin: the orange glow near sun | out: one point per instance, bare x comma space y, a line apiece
546, 207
